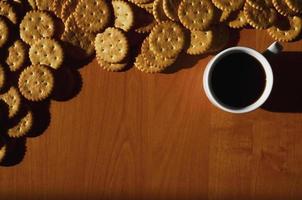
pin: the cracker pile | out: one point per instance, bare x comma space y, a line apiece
193, 27
38, 37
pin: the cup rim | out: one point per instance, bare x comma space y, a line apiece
268, 75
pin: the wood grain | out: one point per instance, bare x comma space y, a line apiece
135, 136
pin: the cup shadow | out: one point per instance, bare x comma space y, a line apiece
286, 95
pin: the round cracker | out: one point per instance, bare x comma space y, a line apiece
111, 45
196, 14
167, 39
36, 83
46, 52
92, 16
17, 55
8, 11
228, 5
23, 127
4, 32
124, 16
284, 33
259, 19
36, 25
13, 99
153, 59
200, 42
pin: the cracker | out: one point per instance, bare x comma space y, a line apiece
68, 8
170, 8
283, 8
23, 127
153, 59
167, 39
196, 14
147, 28
295, 5
158, 11
4, 32
36, 25
92, 16
146, 6
200, 42
79, 45
228, 5
111, 45
2, 77
36, 83
238, 21
124, 16
141, 1
17, 55
112, 67
286, 31
13, 99
260, 4
8, 11
260, 19
141, 64
44, 4
46, 52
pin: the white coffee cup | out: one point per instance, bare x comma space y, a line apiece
275, 48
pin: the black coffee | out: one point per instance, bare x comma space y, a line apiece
238, 80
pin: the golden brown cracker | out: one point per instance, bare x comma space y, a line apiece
4, 32
36, 25
111, 45
167, 39
200, 42
92, 16
23, 127
47, 52
36, 83
8, 11
196, 14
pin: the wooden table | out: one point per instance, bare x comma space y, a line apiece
132, 135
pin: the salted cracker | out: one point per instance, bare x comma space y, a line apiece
8, 11
92, 16
200, 42
36, 25
167, 39
36, 83
47, 52
111, 45
196, 14
228, 5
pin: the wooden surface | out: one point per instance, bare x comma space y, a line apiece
136, 136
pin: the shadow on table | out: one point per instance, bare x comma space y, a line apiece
286, 95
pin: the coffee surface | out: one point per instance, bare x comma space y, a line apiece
238, 80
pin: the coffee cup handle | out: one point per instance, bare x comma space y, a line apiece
273, 49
